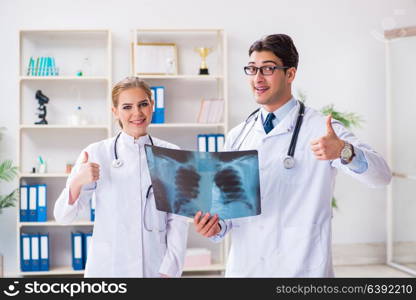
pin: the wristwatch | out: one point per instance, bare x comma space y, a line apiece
347, 153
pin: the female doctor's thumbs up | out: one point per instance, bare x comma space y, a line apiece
88, 172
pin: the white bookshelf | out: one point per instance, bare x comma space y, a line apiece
183, 94
92, 91
213, 267
54, 271
54, 78
43, 175
54, 223
188, 125
183, 77
43, 127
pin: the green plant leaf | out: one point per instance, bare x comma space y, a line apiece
8, 200
7, 170
349, 120
334, 203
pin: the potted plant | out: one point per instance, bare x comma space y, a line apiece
7, 173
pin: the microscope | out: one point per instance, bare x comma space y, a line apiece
42, 99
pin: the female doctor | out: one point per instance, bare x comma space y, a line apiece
131, 237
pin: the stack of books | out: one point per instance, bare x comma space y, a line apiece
42, 66
211, 111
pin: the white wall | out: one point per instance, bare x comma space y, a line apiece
341, 62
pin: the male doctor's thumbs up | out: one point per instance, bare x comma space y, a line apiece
88, 172
329, 146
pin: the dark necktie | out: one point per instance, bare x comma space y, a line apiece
268, 124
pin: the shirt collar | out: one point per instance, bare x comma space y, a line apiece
279, 113
131, 141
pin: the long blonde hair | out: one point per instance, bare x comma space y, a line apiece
128, 83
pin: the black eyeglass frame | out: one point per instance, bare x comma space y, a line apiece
262, 69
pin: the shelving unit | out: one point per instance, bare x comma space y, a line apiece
183, 94
56, 271
49, 78
401, 93
92, 91
54, 223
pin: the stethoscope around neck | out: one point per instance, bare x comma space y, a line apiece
117, 163
289, 160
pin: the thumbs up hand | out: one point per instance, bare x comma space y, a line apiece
88, 172
329, 146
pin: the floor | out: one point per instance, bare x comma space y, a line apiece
371, 271
368, 271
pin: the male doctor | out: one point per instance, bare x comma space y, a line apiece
292, 236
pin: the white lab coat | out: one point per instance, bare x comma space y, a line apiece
121, 246
292, 236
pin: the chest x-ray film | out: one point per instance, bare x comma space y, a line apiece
223, 183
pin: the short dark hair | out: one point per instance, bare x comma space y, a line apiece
281, 45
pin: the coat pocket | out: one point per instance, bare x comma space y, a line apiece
301, 248
99, 263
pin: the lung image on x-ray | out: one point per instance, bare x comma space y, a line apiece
223, 183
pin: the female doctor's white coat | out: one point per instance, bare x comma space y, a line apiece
121, 246
292, 236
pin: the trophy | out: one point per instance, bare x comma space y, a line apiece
203, 52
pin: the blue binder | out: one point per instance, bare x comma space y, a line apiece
219, 142
34, 252
159, 113
87, 242
153, 91
44, 251
211, 142
77, 255
202, 143
24, 203
25, 252
92, 202
33, 199
41, 203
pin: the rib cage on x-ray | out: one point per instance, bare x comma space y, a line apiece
185, 182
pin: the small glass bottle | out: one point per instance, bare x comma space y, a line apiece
75, 119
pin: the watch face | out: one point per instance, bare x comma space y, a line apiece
346, 153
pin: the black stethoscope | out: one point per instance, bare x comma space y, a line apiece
117, 163
289, 160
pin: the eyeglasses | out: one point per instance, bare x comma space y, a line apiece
265, 70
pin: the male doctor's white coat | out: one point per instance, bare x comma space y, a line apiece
292, 236
121, 246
